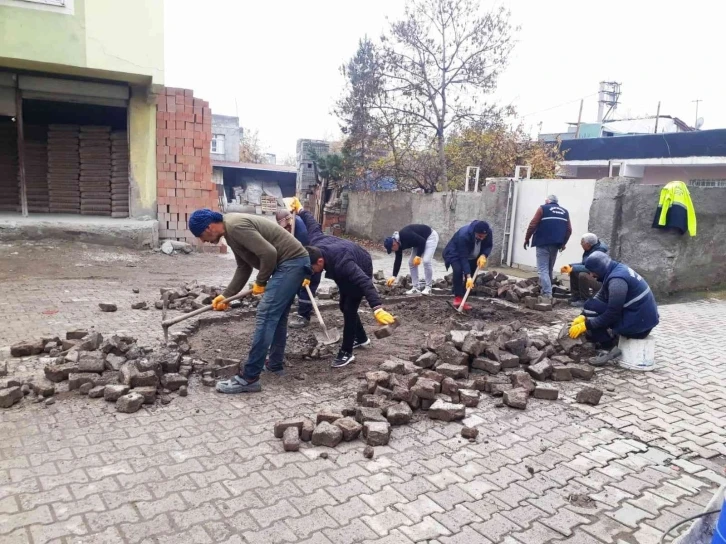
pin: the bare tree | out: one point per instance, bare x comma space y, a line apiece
250, 147
439, 62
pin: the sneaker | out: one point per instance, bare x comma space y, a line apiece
343, 359
426, 291
362, 345
298, 322
277, 371
413, 291
605, 357
237, 384
457, 303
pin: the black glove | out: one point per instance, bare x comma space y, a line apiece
526, 244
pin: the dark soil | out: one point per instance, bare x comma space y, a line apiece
418, 317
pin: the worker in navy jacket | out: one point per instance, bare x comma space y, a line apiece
467, 250
304, 306
582, 285
624, 306
550, 229
351, 268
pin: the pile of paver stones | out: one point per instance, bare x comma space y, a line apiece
490, 284
449, 376
115, 369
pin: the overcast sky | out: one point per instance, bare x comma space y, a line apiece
276, 64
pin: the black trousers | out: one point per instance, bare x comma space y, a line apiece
352, 327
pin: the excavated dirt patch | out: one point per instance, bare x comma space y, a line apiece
418, 317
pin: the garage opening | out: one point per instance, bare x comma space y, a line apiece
9, 189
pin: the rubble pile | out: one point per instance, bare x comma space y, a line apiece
489, 284
116, 369
187, 297
449, 375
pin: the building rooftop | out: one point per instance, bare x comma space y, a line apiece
255, 166
705, 143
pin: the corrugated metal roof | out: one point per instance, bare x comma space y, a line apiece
254, 166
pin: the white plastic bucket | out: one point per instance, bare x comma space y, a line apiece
637, 354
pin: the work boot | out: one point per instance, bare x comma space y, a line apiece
343, 359
426, 290
605, 357
237, 384
457, 303
298, 322
277, 371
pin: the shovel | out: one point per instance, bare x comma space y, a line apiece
166, 323
331, 336
460, 309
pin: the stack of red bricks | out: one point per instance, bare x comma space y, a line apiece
183, 162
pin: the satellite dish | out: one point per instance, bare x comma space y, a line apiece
699, 123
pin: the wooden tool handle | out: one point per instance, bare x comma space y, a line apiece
168, 323
292, 227
463, 301
317, 311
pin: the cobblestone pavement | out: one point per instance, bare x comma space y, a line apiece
207, 468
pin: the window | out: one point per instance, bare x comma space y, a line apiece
218, 143
715, 183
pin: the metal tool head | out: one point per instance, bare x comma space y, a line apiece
332, 336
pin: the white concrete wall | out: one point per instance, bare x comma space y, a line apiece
575, 195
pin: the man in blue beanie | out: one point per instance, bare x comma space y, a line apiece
467, 250
624, 306
283, 265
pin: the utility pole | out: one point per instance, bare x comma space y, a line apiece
579, 120
657, 114
608, 95
697, 101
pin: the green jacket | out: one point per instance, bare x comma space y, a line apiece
257, 243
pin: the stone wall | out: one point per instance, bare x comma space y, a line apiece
622, 214
376, 215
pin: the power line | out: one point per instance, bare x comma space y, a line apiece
559, 105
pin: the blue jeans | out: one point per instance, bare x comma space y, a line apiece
546, 257
271, 321
304, 306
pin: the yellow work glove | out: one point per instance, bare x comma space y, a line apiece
295, 205
390, 281
305, 283
258, 289
470, 283
567, 269
481, 262
383, 317
579, 319
577, 329
416, 261
218, 305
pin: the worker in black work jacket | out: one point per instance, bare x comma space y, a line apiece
351, 268
422, 241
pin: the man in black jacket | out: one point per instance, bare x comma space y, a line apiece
422, 241
351, 268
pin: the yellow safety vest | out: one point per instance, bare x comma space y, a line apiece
676, 193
